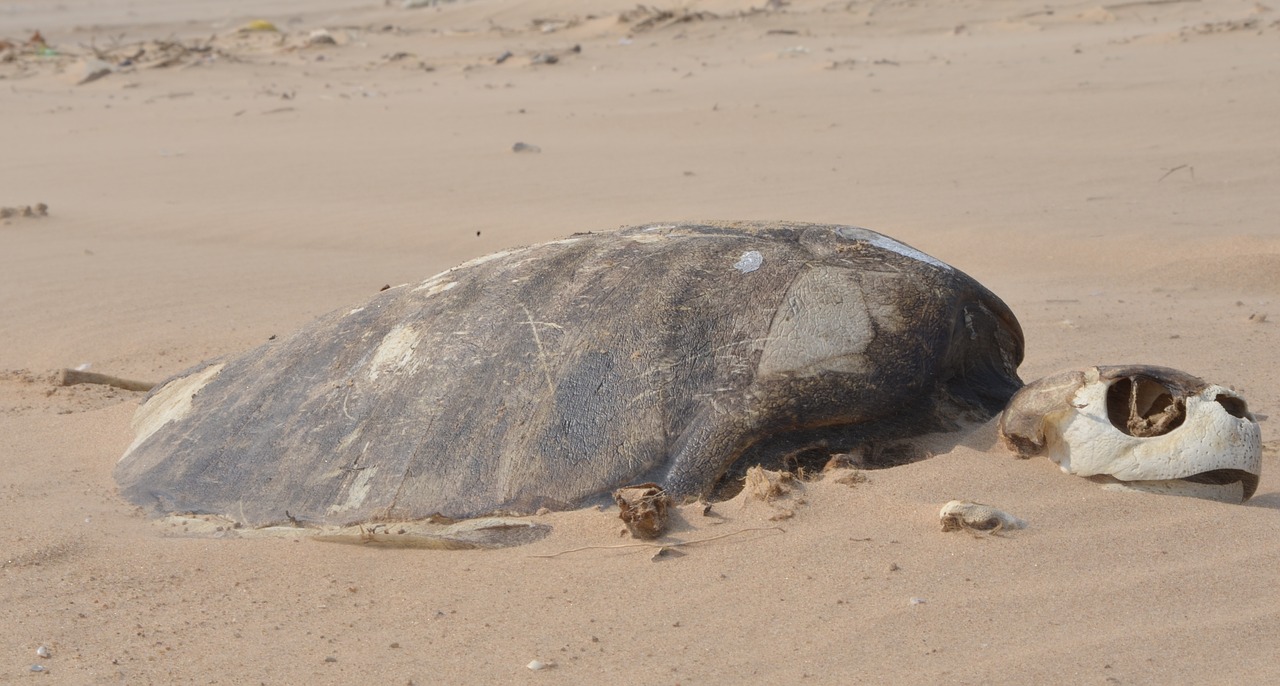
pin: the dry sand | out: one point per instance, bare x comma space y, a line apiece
1112, 171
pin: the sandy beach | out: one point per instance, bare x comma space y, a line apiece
219, 173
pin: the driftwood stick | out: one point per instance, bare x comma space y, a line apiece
71, 377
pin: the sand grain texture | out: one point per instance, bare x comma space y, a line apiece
1110, 170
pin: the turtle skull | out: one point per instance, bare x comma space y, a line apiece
1140, 428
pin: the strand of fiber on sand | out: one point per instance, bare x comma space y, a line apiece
661, 546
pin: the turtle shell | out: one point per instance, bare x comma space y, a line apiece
549, 375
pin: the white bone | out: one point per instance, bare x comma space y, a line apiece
1087, 444
1065, 417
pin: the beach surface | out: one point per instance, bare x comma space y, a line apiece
216, 174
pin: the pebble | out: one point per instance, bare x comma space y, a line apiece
525, 147
43, 652
321, 37
538, 665
38, 668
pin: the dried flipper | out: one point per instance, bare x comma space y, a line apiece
427, 534
468, 534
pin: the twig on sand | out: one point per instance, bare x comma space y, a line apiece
1181, 166
663, 546
1143, 3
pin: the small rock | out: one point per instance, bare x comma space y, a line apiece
321, 37
665, 552
38, 668
538, 665
43, 652
917, 601
258, 26
525, 147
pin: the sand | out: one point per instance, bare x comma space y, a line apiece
1109, 170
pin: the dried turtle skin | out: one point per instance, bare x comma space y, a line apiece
550, 375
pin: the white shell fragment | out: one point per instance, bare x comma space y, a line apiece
749, 262
538, 665
43, 652
1140, 428
965, 514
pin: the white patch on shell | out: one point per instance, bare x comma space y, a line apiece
433, 280
749, 262
435, 288
490, 257
823, 324
647, 237
169, 404
395, 352
854, 233
357, 310
468, 264
357, 492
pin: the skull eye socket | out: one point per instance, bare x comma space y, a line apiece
1141, 406
1236, 407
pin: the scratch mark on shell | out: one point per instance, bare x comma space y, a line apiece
542, 352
